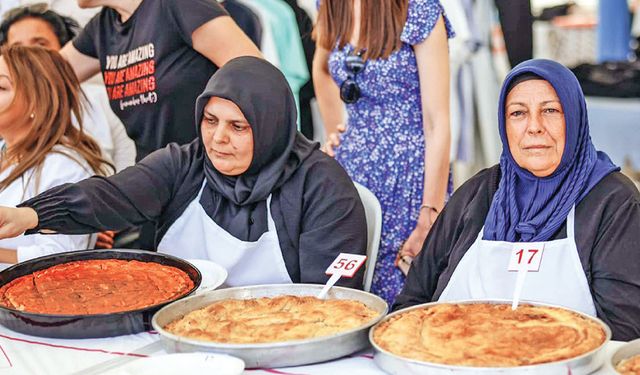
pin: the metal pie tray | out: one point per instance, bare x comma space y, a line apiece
93, 325
628, 350
583, 364
279, 354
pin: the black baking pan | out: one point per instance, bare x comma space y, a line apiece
88, 326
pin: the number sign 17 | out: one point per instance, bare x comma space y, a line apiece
527, 255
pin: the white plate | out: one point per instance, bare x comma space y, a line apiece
625, 351
184, 363
213, 274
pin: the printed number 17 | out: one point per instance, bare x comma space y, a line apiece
533, 253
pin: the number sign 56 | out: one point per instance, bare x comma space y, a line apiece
346, 264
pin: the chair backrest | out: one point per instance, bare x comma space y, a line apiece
373, 213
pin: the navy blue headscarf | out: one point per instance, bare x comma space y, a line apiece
526, 208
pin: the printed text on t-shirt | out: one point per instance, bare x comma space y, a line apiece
130, 77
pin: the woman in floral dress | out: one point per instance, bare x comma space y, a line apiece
388, 61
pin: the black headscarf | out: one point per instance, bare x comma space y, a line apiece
261, 92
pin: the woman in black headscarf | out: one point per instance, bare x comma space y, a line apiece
251, 193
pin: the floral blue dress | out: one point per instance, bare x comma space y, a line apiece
383, 147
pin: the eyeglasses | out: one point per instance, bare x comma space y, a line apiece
349, 89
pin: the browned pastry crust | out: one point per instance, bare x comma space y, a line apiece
629, 366
488, 335
98, 286
263, 320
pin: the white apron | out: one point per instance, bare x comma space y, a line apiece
196, 235
482, 274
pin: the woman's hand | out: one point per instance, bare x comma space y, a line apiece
15, 221
333, 141
105, 239
413, 245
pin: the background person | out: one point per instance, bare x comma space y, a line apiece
389, 59
155, 58
36, 25
40, 146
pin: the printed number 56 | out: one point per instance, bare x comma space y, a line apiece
347, 265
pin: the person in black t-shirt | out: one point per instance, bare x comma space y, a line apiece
155, 58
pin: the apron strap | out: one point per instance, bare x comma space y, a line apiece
481, 234
571, 222
271, 226
204, 183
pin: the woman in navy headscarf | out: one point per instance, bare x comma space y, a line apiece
553, 190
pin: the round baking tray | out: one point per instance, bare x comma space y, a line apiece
87, 326
280, 354
628, 350
583, 364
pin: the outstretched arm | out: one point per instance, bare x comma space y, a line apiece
129, 198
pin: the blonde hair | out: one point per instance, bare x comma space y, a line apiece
50, 91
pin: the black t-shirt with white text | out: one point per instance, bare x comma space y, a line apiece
151, 71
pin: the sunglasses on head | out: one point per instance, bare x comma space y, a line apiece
349, 89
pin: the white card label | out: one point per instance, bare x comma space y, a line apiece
346, 264
527, 256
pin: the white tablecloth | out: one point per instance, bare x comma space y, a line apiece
26, 355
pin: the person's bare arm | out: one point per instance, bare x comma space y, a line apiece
221, 40
432, 57
84, 66
328, 96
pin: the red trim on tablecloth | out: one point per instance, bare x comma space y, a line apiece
6, 356
72, 347
273, 371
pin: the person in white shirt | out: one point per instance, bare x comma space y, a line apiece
37, 25
41, 148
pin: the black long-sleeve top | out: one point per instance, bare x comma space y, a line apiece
317, 212
607, 231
